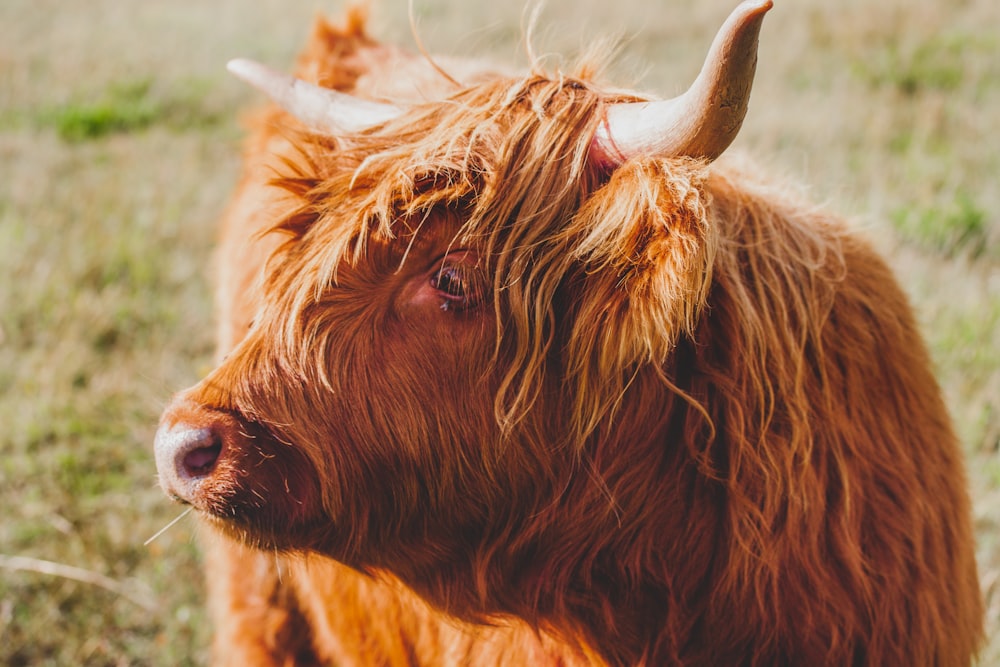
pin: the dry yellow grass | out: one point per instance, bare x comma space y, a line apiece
119, 146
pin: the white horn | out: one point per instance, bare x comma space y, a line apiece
322, 109
702, 122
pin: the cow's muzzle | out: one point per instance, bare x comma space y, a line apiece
234, 470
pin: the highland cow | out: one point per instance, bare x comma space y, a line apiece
514, 371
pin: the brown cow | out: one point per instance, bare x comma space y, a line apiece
530, 378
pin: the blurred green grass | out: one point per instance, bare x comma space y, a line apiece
119, 144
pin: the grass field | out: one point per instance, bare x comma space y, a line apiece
119, 143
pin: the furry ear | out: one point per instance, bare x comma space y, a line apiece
647, 245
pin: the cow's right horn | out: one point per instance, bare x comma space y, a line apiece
322, 109
702, 122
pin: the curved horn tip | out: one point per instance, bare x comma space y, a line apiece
759, 5
254, 73
746, 15
321, 108
750, 8
239, 66
702, 122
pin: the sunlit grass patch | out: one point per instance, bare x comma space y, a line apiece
964, 342
131, 106
122, 108
936, 63
959, 226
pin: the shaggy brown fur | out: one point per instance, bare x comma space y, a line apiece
493, 406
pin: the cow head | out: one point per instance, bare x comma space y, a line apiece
469, 291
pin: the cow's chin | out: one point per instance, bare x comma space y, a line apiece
255, 512
251, 531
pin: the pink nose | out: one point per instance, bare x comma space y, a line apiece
185, 456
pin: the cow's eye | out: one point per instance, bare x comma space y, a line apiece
458, 286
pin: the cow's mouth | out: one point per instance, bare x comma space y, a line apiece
251, 530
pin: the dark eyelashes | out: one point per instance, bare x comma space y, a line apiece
460, 286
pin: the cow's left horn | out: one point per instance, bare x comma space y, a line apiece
702, 122
320, 108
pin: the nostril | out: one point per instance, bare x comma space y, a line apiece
185, 454
199, 462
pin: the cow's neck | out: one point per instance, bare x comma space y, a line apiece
587, 565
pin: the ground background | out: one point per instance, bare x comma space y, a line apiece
119, 144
